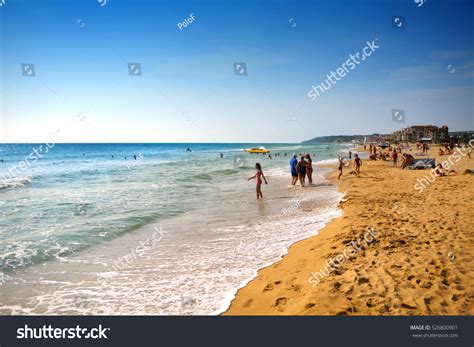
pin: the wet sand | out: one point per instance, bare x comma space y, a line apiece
420, 262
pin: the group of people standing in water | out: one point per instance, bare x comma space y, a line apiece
300, 169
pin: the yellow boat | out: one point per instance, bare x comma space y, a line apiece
258, 150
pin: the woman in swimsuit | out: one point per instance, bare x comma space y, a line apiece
309, 168
259, 175
301, 168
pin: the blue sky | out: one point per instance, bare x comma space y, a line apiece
188, 91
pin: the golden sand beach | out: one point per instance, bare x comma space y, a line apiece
420, 263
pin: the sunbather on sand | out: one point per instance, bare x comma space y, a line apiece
408, 160
441, 171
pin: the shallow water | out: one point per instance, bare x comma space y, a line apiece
172, 232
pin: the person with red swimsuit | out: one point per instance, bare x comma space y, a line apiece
259, 175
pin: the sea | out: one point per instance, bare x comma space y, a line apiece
149, 229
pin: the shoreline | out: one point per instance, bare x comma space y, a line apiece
235, 293
392, 276
73, 298
230, 297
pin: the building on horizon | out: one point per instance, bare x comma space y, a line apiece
461, 136
417, 133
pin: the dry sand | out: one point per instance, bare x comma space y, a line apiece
421, 262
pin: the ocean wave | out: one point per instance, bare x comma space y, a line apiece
225, 172
287, 148
207, 176
327, 161
25, 253
15, 182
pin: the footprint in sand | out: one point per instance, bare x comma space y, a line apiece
248, 303
268, 287
408, 306
427, 285
295, 288
281, 302
370, 303
363, 280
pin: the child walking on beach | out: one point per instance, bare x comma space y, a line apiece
341, 164
394, 157
357, 164
259, 175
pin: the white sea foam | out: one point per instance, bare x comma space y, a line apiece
15, 182
287, 148
327, 161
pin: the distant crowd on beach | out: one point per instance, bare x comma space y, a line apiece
409, 161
